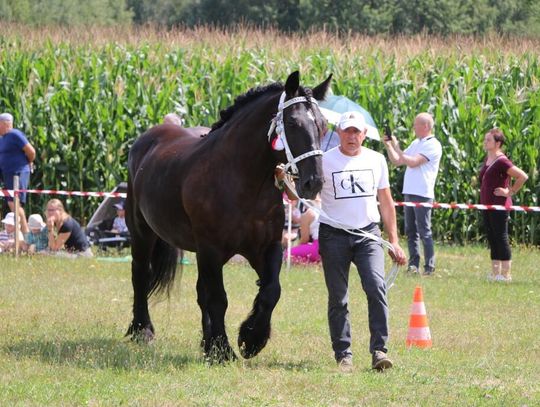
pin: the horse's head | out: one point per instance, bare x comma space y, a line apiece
299, 127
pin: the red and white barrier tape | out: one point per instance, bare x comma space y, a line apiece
471, 206
10, 192
435, 205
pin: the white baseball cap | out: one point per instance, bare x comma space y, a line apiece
352, 119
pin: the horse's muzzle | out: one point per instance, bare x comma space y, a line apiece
309, 188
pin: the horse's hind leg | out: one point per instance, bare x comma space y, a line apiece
142, 244
212, 300
255, 330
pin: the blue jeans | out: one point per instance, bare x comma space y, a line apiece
24, 179
338, 250
418, 227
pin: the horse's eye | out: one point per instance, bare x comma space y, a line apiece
293, 122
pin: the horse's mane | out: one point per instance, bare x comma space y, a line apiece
250, 95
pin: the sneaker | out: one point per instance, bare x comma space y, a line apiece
491, 277
502, 278
345, 364
428, 272
380, 361
412, 270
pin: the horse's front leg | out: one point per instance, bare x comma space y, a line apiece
212, 300
255, 330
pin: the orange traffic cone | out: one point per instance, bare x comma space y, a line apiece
419, 334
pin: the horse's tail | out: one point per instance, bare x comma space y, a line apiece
163, 265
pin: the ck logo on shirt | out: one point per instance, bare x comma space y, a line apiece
353, 184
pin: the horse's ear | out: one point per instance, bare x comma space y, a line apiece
319, 92
292, 84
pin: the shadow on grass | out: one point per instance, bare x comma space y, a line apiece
99, 353
103, 353
297, 366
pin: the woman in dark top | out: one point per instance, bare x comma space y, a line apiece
495, 189
64, 232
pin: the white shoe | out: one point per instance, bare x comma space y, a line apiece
502, 278
491, 277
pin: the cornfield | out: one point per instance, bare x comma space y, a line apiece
82, 99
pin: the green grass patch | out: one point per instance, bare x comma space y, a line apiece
63, 325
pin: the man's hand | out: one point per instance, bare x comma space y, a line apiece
398, 255
279, 173
390, 141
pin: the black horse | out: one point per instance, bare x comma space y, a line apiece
215, 195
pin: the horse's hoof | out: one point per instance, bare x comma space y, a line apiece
220, 358
144, 336
251, 342
219, 352
141, 335
247, 351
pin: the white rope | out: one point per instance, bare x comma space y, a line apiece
289, 237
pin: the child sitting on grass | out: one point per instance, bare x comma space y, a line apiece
7, 236
37, 240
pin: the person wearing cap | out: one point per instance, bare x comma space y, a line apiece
422, 159
355, 182
7, 236
37, 239
16, 157
119, 222
64, 232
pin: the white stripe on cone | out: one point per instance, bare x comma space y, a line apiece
418, 308
419, 333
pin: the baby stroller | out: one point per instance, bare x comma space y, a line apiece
99, 227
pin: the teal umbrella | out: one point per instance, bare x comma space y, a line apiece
334, 106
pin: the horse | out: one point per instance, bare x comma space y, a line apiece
215, 195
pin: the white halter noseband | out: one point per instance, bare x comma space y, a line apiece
278, 125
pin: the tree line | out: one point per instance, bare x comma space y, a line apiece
371, 17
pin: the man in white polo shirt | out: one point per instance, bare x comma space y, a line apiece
422, 159
355, 178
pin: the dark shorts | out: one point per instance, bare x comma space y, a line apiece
24, 179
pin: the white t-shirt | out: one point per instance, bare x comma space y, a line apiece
420, 180
349, 194
314, 225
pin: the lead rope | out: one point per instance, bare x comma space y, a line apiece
394, 271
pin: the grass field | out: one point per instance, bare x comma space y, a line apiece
63, 323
